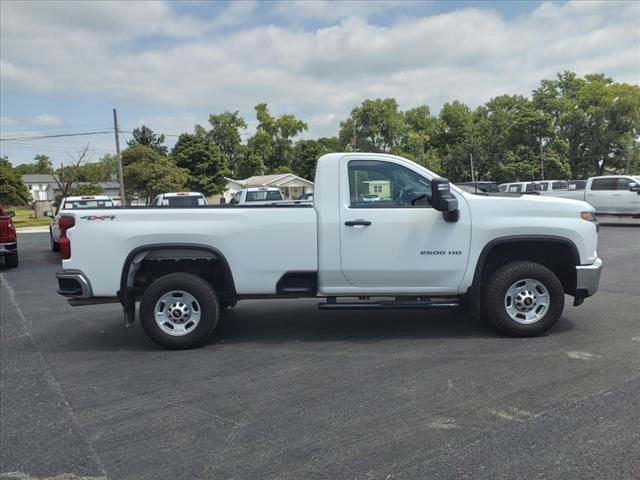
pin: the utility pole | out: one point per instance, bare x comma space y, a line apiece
473, 174
541, 161
353, 139
626, 170
120, 177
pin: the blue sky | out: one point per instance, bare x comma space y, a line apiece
65, 65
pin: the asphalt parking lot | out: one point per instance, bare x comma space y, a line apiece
284, 391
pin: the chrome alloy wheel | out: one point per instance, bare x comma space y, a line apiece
177, 313
527, 301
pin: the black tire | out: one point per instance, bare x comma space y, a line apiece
55, 246
11, 260
495, 291
193, 285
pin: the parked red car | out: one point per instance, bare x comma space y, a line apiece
8, 238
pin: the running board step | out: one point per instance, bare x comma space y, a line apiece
388, 305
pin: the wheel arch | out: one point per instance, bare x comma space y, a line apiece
173, 252
562, 261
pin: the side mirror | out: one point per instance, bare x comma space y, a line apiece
11, 213
48, 213
635, 187
443, 200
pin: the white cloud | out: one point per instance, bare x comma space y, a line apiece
46, 120
469, 54
6, 121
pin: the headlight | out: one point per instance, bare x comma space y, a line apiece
588, 216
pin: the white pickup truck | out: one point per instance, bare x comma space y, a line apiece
422, 244
610, 195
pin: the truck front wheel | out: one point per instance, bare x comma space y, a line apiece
523, 299
179, 310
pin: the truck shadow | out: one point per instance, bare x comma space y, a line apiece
302, 322
289, 321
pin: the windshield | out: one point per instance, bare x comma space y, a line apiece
75, 204
182, 201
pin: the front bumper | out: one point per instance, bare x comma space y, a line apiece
8, 248
73, 284
588, 278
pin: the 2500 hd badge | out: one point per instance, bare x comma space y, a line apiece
441, 252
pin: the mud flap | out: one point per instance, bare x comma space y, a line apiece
128, 300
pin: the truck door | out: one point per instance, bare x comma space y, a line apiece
624, 200
390, 235
600, 194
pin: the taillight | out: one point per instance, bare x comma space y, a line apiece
65, 223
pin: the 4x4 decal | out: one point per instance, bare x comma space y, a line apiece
98, 217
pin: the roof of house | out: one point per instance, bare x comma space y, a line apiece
270, 180
39, 178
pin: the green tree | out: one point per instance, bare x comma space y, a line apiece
12, 190
225, 134
331, 144
145, 136
282, 169
378, 126
305, 157
597, 118
42, 164
459, 140
204, 161
147, 173
249, 164
273, 141
417, 141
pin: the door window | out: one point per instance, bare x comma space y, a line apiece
235, 199
605, 184
560, 186
378, 184
624, 183
515, 188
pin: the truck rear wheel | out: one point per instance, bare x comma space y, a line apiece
179, 310
523, 299
55, 246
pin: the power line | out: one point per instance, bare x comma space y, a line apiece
53, 136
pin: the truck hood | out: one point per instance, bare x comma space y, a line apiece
530, 204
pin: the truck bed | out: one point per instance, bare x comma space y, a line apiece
261, 243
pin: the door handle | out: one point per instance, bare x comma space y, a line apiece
357, 223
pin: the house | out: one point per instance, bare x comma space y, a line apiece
40, 186
289, 184
44, 187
